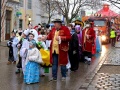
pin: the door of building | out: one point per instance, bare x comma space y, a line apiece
8, 24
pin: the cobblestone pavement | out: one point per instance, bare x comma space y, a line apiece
113, 58
109, 80
105, 81
117, 45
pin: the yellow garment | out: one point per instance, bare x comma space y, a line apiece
55, 46
112, 34
45, 57
85, 35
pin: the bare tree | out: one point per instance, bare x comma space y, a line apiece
71, 8
48, 8
115, 3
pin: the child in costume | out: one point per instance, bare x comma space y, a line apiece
13, 51
24, 48
41, 45
44, 42
98, 40
19, 64
31, 37
33, 60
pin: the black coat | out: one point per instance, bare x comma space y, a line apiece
74, 57
9, 44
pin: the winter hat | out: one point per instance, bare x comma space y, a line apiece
36, 27
40, 36
26, 32
32, 42
14, 31
77, 27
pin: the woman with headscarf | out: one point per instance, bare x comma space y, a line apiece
79, 34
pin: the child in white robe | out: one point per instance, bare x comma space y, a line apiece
24, 48
13, 42
41, 44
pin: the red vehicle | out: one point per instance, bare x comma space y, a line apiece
103, 25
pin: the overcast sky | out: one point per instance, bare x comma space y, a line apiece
112, 7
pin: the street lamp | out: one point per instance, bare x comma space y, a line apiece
29, 19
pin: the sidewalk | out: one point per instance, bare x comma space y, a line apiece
4, 44
117, 44
107, 74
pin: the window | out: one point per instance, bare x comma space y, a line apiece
99, 23
29, 4
21, 3
20, 23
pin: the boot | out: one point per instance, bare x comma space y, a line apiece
86, 59
89, 61
18, 71
9, 62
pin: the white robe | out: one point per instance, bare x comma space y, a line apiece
34, 55
23, 53
44, 46
15, 49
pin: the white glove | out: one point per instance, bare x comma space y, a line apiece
74, 52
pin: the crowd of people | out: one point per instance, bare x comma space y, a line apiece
68, 45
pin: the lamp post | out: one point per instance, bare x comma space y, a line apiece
29, 19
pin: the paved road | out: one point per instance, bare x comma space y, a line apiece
108, 74
10, 81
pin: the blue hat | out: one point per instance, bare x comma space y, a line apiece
33, 42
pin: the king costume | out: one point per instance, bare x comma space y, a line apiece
59, 49
88, 37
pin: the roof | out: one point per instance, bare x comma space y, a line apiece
107, 12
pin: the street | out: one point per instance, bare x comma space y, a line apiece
11, 81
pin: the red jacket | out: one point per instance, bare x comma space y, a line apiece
64, 33
87, 44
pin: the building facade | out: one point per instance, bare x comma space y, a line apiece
8, 17
16, 14
26, 13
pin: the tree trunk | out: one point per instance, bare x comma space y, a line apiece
67, 19
49, 14
49, 19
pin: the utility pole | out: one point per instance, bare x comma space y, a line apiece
0, 20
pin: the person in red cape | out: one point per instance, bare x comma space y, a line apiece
60, 36
88, 36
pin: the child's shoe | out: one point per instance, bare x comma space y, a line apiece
9, 62
14, 62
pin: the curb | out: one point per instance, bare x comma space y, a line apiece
3, 44
91, 75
